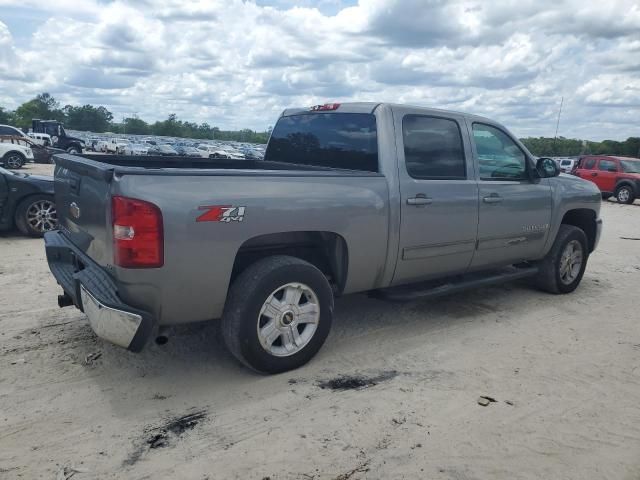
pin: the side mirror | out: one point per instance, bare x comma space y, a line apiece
547, 167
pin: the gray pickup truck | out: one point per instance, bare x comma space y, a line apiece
400, 201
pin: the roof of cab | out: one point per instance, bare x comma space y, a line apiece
370, 107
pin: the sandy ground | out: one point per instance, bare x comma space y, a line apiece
564, 371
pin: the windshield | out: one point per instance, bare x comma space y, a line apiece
630, 166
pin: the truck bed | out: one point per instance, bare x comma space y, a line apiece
192, 165
199, 254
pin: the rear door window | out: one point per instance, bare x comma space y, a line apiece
7, 131
607, 165
433, 148
336, 140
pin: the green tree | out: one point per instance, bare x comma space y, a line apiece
6, 116
136, 126
87, 117
44, 107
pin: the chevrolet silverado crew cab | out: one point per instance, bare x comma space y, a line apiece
402, 202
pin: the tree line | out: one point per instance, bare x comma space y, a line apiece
570, 147
99, 120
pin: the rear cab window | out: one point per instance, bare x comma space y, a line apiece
335, 140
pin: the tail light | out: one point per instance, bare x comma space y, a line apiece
138, 237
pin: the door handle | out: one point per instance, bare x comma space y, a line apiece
594, 174
419, 199
493, 198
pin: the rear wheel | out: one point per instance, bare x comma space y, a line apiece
14, 160
37, 215
562, 269
73, 150
606, 196
625, 194
278, 314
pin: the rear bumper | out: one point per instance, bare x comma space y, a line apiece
95, 292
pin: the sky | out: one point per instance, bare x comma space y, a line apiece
237, 64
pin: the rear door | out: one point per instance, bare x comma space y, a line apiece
515, 207
439, 195
607, 174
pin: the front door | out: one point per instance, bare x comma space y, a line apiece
439, 195
515, 207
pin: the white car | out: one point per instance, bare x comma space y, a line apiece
566, 164
14, 155
43, 139
212, 151
136, 149
116, 145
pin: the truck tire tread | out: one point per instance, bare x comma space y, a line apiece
548, 278
245, 298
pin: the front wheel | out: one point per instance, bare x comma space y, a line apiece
37, 215
562, 269
625, 194
278, 314
14, 160
73, 150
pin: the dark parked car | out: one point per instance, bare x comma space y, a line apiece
26, 202
163, 150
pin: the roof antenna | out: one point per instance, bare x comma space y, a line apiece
557, 124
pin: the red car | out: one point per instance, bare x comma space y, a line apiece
619, 176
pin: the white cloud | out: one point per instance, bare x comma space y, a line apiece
237, 63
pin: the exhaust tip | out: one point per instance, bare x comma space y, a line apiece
162, 340
64, 301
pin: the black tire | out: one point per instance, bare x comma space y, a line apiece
74, 150
549, 277
606, 196
245, 300
22, 212
625, 194
13, 160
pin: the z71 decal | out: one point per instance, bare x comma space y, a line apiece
221, 213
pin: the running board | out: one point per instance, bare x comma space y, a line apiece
436, 288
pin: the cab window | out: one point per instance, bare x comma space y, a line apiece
498, 155
433, 148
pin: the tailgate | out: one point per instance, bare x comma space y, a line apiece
84, 204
